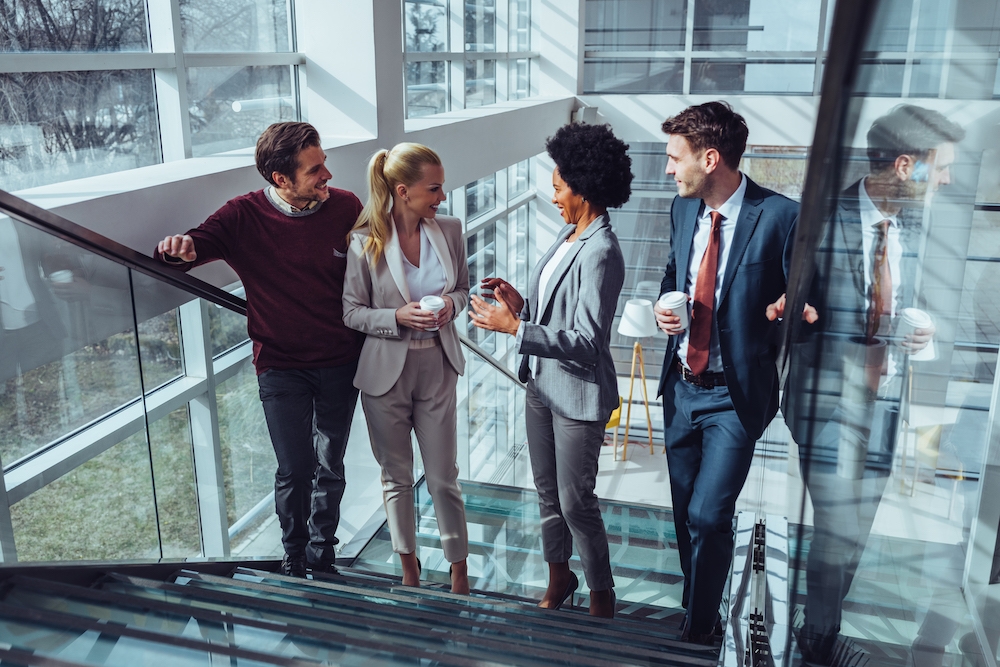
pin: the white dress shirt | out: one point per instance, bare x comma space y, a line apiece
730, 214
543, 284
871, 218
428, 279
17, 303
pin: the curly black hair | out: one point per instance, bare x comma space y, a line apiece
593, 162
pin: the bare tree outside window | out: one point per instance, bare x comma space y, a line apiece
56, 126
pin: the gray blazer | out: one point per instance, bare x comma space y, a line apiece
373, 293
569, 327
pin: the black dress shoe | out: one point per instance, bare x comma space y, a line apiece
323, 567
293, 566
706, 639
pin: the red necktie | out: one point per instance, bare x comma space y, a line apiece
704, 301
881, 289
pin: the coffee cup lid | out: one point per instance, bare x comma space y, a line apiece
916, 317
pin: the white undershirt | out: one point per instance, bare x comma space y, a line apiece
543, 284
17, 303
730, 214
428, 279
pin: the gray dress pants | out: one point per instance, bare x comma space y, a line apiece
423, 401
564, 454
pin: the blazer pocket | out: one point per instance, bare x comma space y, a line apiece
585, 373
755, 266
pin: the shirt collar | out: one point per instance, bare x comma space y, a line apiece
731, 209
871, 216
285, 206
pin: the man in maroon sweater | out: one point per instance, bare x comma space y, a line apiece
288, 244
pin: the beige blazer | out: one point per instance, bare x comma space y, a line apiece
373, 293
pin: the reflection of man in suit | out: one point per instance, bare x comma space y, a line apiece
843, 391
731, 244
31, 332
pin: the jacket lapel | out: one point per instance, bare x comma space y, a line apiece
394, 260
745, 224
851, 241
560, 271
440, 245
688, 225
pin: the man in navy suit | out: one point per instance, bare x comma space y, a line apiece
731, 243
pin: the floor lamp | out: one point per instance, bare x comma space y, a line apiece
637, 322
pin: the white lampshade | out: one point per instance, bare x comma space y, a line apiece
638, 320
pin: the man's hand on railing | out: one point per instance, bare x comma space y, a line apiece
180, 246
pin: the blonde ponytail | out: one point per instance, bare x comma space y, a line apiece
386, 169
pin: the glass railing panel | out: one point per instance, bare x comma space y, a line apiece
900, 503
176, 489
68, 353
505, 547
101, 510
226, 328
248, 460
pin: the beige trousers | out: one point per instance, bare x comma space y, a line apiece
423, 400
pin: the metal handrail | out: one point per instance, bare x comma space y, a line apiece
100, 245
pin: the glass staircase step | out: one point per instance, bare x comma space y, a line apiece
215, 626
380, 624
565, 631
94, 642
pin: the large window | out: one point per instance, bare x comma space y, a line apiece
462, 54
68, 110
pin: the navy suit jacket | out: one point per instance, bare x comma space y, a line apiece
756, 275
815, 383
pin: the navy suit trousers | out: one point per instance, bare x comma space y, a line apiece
708, 456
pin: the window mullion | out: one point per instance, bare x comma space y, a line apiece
170, 83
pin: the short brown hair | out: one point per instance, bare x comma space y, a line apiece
279, 146
712, 125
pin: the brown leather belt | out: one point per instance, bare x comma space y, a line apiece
705, 380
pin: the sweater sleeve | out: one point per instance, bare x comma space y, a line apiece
213, 239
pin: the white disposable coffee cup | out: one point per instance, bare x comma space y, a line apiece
677, 302
64, 276
912, 319
434, 304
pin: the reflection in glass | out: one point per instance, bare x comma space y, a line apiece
426, 26
480, 25
231, 106
173, 475
67, 342
520, 82
59, 126
226, 329
519, 25
480, 83
160, 350
480, 198
426, 88
482, 258
102, 510
636, 25
235, 25
247, 456
518, 178
96, 26
633, 76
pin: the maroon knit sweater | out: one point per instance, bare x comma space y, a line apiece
293, 270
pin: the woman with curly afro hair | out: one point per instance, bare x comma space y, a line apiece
563, 332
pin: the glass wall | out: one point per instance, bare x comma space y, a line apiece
739, 46
65, 114
463, 54
890, 397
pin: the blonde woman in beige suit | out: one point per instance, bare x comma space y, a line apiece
400, 252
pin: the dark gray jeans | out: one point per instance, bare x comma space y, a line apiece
308, 415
